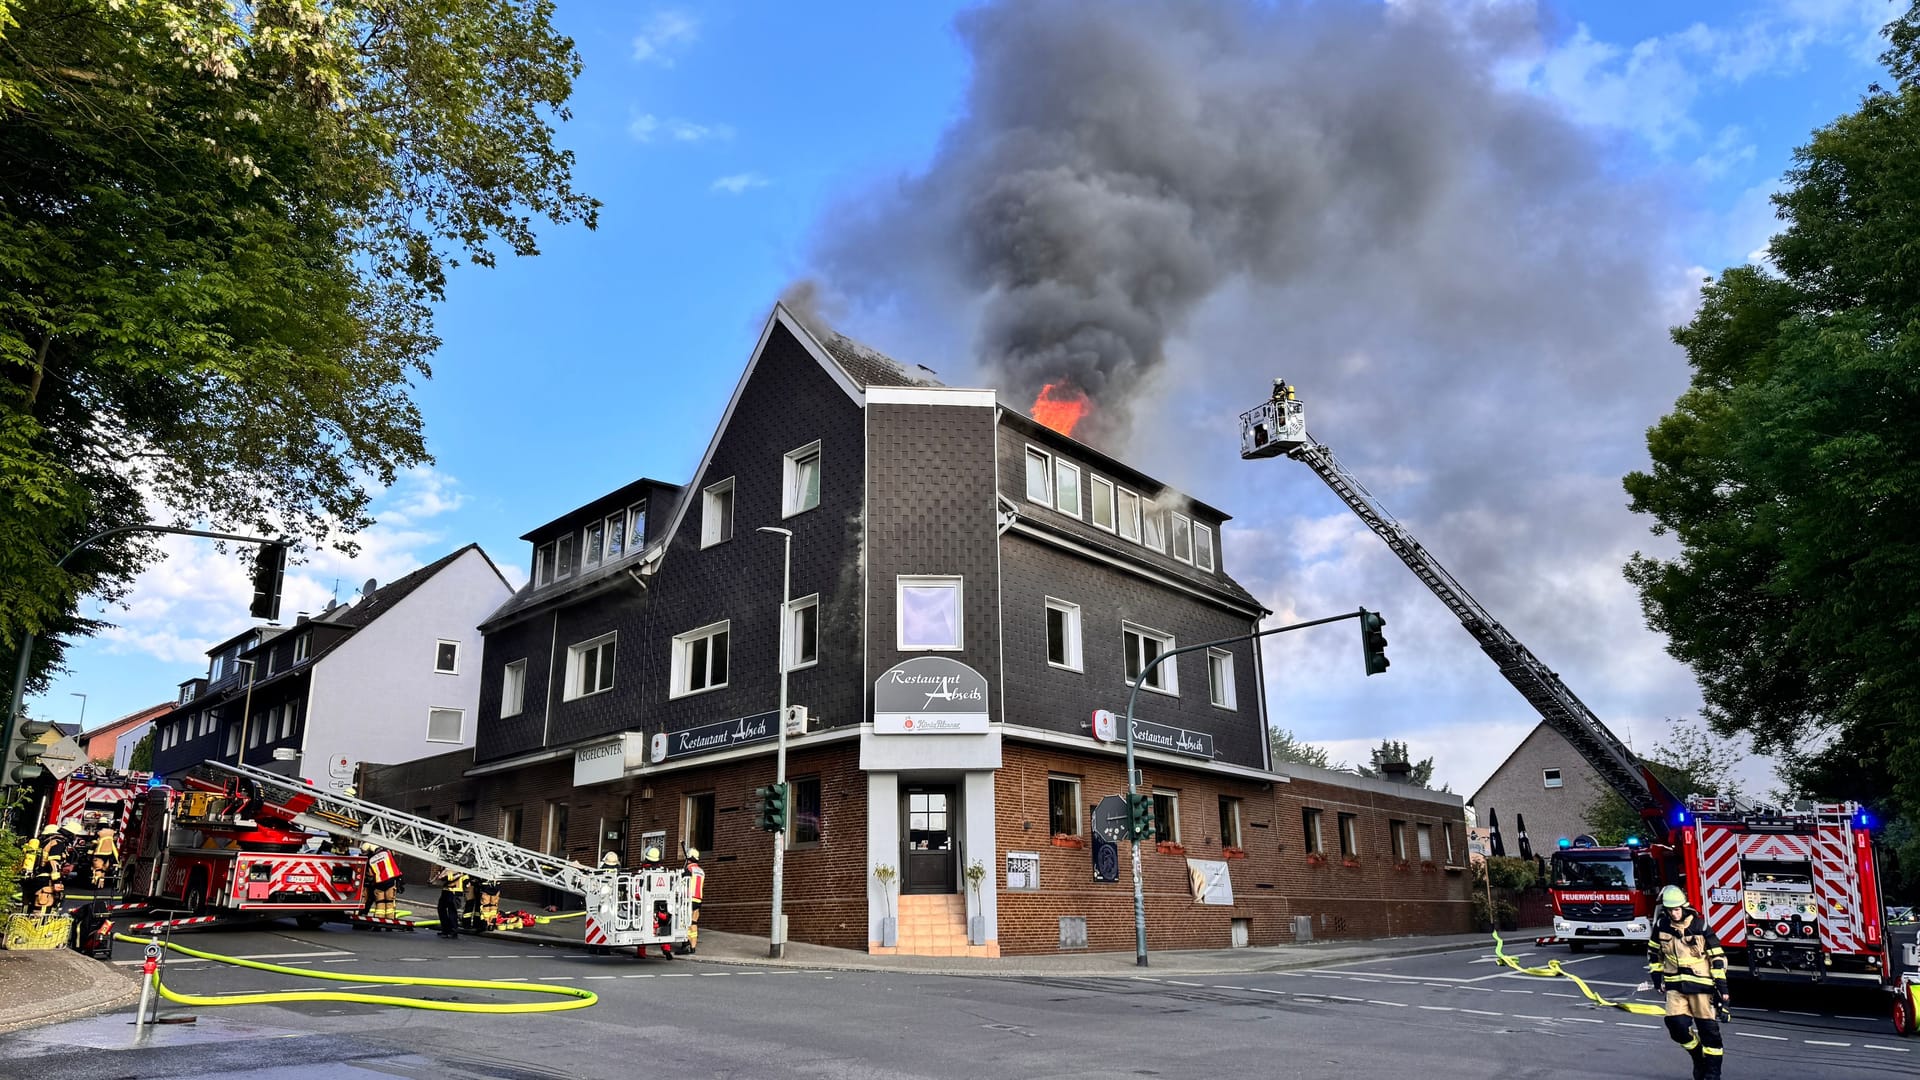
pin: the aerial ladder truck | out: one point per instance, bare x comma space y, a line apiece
648, 906
1793, 894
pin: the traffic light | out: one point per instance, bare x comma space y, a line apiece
1139, 816
23, 757
1373, 640
773, 807
269, 569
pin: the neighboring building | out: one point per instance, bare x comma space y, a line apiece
392, 677
968, 589
1545, 783
114, 742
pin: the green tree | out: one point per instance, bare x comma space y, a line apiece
1393, 750
1789, 470
221, 230
1689, 762
141, 759
1287, 748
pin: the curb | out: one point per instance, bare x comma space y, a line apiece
106, 988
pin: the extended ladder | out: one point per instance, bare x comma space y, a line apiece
1278, 427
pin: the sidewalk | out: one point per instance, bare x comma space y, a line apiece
717, 947
58, 984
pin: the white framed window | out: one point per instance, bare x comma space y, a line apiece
1152, 529
543, 565
287, 716
443, 725
1312, 837
616, 534
513, 688
637, 526
1203, 547
1397, 840
1229, 821
593, 541
1066, 488
1166, 816
563, 558
1220, 688
1039, 476
1182, 538
801, 480
1142, 646
590, 667
254, 729
1129, 515
1349, 836
803, 632
1423, 836
1551, 778
1063, 634
446, 657
716, 513
700, 659
1063, 805
233, 739
1100, 509
301, 647
929, 613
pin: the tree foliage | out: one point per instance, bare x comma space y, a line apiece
221, 230
1789, 471
1690, 761
1287, 748
141, 759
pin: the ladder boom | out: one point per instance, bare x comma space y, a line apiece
486, 857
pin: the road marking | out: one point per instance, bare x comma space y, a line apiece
1895, 1049
554, 978
1516, 991
516, 978
1242, 989
1576, 960
1437, 1008
1337, 997
1522, 1016
592, 977
1769, 1038
1264, 990
1356, 978
458, 956
502, 956
711, 974
1510, 956
348, 960
685, 975
1790, 1012
249, 956
647, 975
1550, 993
1336, 978
1482, 989
1177, 982
1439, 986
1823, 1042
1649, 1027
1582, 1020
1395, 1004
1481, 1012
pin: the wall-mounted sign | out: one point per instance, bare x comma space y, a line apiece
1172, 739
1210, 882
608, 760
1106, 726
711, 737
929, 695
1023, 871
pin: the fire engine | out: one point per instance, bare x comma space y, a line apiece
1794, 895
219, 851
96, 796
1602, 895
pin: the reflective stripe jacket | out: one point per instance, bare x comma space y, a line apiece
1684, 952
696, 882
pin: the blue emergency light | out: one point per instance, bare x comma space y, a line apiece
1565, 843
1865, 820
1680, 816
1633, 841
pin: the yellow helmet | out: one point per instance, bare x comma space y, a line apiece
693, 854
610, 859
72, 827
653, 853
1672, 897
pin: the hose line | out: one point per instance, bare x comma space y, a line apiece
1554, 970
575, 999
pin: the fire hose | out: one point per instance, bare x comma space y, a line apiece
576, 999
1554, 970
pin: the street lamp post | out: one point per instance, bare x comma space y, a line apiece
83, 708
246, 714
777, 937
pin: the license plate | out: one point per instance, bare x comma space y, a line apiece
1725, 896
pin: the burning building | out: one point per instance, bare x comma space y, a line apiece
971, 591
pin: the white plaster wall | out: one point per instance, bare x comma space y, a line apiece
883, 846
983, 848
371, 696
124, 744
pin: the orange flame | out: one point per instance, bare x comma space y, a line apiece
1063, 412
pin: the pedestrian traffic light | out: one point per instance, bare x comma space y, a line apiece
773, 807
269, 570
1373, 640
23, 757
1139, 816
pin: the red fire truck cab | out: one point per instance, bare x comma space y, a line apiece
1602, 895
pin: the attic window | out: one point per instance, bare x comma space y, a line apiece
716, 514
1551, 778
1203, 547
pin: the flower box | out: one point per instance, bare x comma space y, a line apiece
1168, 847
1065, 841
1402, 865
1428, 864
1315, 858
1233, 853
1352, 864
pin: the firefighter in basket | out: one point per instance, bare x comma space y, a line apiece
696, 888
1684, 958
105, 857
650, 861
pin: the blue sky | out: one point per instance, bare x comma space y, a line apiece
728, 140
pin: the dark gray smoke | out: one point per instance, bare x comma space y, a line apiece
1167, 205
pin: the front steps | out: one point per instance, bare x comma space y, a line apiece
934, 926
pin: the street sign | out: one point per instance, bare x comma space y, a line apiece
1106, 858
1110, 818
63, 757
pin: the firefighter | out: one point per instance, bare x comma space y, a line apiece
453, 893
650, 860
36, 883
488, 916
383, 871
1685, 959
106, 857
696, 887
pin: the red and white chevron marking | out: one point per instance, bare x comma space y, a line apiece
1836, 884
130, 905
298, 873
382, 920
197, 920
595, 935
72, 798
1720, 877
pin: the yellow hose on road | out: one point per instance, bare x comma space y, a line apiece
1554, 970
576, 999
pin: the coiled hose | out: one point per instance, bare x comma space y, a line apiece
1554, 970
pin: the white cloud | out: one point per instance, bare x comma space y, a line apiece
739, 182
664, 34
646, 128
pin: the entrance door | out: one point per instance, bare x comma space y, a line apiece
930, 824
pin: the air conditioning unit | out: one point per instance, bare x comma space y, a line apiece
798, 721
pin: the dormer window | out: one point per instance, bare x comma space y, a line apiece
592, 542
543, 565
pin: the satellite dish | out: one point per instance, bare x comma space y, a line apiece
331, 604
367, 589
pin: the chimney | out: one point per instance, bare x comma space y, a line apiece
1397, 772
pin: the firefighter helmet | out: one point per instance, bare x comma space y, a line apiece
1672, 897
653, 853
72, 827
610, 859
693, 854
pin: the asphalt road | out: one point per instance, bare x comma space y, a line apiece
1437, 1017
